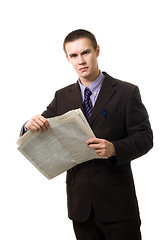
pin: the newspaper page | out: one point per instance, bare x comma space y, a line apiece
61, 147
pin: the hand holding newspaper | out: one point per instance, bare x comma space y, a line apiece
61, 147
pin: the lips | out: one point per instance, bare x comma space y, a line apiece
83, 69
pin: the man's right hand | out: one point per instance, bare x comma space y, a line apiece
37, 123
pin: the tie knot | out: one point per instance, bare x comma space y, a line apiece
87, 92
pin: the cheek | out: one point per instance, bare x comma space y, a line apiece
93, 62
74, 65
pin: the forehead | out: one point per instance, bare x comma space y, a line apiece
78, 46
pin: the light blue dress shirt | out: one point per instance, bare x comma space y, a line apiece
95, 88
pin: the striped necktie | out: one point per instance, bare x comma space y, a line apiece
87, 104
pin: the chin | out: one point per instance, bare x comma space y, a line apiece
85, 74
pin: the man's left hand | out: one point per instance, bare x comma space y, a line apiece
102, 147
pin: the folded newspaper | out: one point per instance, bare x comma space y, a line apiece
61, 147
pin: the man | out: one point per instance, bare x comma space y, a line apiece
101, 196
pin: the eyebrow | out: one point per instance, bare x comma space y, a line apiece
87, 50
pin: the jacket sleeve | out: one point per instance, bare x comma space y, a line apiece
51, 109
49, 112
139, 138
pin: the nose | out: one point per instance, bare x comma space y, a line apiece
81, 60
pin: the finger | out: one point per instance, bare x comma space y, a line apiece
31, 125
100, 154
33, 128
98, 151
41, 118
46, 124
42, 128
92, 141
42, 123
35, 125
94, 146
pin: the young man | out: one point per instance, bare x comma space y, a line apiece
101, 196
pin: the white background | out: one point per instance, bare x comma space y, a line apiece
33, 67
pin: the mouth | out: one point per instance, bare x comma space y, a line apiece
83, 69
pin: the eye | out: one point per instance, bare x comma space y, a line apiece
86, 52
73, 55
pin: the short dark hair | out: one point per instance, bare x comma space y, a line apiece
77, 34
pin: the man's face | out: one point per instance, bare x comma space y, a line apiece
83, 57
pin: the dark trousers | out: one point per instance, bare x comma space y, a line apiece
93, 229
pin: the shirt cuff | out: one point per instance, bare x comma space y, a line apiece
25, 129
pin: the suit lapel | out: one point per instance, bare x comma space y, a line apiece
108, 89
76, 96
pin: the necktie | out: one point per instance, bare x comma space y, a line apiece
87, 104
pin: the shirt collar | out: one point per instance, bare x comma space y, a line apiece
95, 86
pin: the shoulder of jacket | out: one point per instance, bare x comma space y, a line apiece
67, 88
120, 83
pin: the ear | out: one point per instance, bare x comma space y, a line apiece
98, 50
67, 58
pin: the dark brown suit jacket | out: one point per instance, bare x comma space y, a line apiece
107, 184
